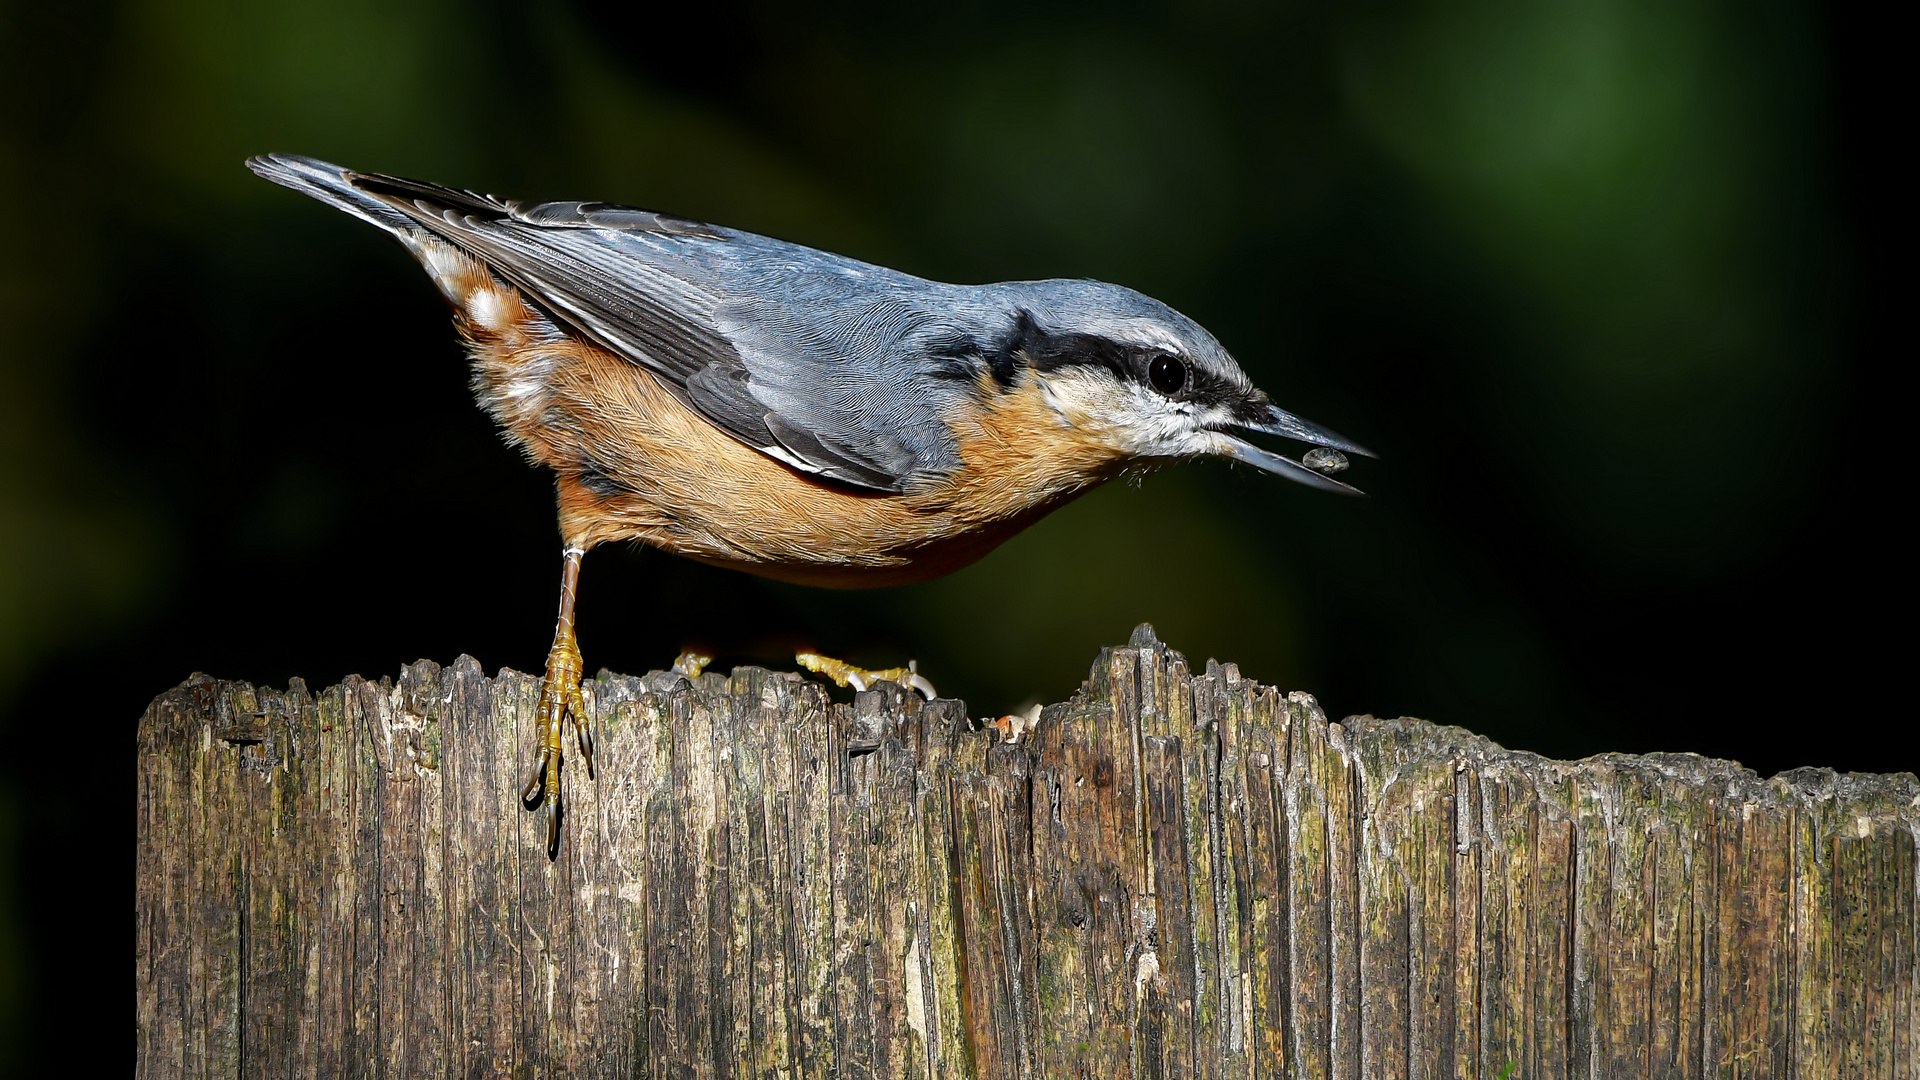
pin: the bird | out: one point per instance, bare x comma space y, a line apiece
767, 407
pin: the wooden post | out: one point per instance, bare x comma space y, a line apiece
1175, 875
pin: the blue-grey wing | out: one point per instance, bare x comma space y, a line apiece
848, 374
835, 367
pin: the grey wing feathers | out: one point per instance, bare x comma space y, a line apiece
859, 378
640, 310
812, 359
600, 215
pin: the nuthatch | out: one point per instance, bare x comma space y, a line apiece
767, 407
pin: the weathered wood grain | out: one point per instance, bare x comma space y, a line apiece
1174, 875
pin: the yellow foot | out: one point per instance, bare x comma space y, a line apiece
691, 664
559, 696
846, 674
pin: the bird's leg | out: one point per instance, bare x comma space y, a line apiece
559, 695
846, 674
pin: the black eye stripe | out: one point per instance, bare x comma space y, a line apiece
1029, 343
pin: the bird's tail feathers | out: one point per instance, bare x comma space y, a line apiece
385, 201
330, 184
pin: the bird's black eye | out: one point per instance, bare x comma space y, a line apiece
1167, 375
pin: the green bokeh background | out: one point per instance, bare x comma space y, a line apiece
1597, 279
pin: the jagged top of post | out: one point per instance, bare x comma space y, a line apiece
1378, 747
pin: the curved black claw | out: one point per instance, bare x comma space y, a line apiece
532, 795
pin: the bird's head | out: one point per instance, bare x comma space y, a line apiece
1149, 383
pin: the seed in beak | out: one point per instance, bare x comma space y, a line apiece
1324, 461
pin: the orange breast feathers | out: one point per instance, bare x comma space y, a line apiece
636, 463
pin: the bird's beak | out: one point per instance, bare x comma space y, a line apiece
1288, 426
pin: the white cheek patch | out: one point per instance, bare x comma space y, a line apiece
1194, 435
1086, 402
1165, 428
1060, 398
1129, 417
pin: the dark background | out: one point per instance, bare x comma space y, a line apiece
1607, 284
